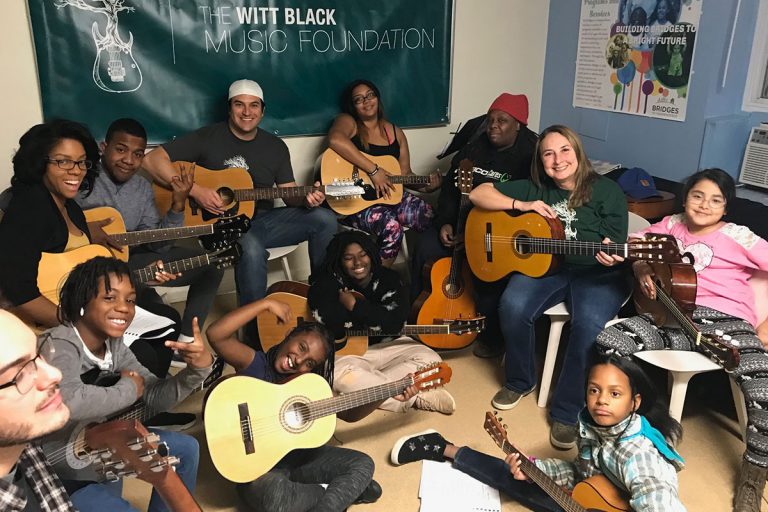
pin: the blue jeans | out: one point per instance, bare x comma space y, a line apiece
98, 497
495, 472
276, 228
593, 296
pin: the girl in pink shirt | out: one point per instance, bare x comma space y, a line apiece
725, 256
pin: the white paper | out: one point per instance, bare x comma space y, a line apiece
144, 322
444, 488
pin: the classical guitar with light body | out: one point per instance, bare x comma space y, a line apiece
251, 424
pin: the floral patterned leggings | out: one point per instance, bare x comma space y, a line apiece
387, 222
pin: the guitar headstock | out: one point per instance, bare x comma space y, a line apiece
228, 257
343, 189
432, 376
496, 430
655, 247
464, 325
226, 231
464, 176
721, 349
126, 448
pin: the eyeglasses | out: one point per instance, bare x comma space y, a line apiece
25, 378
68, 165
716, 203
360, 99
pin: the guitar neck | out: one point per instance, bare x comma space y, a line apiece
161, 235
569, 247
174, 493
256, 194
410, 179
540, 478
336, 404
406, 331
147, 274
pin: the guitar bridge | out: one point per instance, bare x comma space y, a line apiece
245, 428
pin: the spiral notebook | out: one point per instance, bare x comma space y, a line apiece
444, 488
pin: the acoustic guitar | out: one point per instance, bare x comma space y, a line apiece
333, 167
448, 290
498, 243
219, 235
272, 331
595, 493
235, 187
675, 286
251, 424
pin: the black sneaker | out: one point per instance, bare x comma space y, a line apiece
370, 494
429, 445
486, 350
173, 421
562, 436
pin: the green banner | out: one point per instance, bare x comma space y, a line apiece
168, 63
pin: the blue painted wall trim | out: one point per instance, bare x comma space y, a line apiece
669, 149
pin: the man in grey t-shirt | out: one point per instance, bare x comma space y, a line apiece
239, 143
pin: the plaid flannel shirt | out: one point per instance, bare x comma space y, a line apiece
42, 480
633, 462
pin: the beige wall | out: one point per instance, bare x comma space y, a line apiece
499, 45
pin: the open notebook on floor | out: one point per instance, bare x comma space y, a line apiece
444, 488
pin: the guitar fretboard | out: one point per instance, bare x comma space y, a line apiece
536, 245
147, 274
540, 478
410, 179
160, 235
407, 331
256, 194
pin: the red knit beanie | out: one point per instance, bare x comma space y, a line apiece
515, 105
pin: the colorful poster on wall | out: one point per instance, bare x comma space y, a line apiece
636, 56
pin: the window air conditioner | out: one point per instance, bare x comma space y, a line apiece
754, 168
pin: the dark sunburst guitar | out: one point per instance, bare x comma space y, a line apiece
596, 493
675, 302
448, 291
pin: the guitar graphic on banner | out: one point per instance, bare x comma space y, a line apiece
115, 69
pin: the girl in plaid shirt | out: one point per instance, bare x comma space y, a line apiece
625, 433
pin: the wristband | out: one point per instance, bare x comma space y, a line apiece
374, 171
513, 203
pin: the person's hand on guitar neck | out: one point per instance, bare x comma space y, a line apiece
380, 178
448, 238
644, 275
181, 186
608, 260
316, 197
161, 276
513, 461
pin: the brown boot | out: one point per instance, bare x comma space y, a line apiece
749, 491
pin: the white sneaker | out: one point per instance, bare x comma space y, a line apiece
438, 400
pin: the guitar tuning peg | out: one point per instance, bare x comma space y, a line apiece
506, 428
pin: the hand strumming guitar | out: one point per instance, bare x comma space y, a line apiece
382, 183
347, 299
207, 198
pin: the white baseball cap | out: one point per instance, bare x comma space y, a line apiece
245, 87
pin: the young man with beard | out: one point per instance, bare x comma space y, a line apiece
238, 142
30, 407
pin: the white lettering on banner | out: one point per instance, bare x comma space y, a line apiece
256, 15
252, 41
366, 40
295, 16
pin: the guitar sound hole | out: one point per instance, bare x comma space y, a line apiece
295, 415
520, 244
452, 290
227, 196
